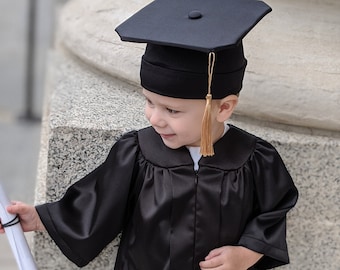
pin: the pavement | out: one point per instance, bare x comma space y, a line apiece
19, 130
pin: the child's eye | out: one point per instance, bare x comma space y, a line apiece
148, 101
171, 111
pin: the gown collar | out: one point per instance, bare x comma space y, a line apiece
231, 151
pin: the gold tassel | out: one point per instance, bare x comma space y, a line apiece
207, 148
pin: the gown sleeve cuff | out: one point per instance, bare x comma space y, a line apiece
273, 256
45, 217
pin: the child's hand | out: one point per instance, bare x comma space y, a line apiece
29, 218
230, 258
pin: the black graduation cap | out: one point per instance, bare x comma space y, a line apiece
194, 49
181, 33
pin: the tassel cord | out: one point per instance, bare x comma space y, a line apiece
207, 148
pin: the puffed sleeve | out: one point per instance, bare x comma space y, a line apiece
275, 194
93, 210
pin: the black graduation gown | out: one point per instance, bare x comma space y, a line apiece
172, 216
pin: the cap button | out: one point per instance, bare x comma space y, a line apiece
195, 14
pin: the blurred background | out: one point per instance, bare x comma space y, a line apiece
26, 34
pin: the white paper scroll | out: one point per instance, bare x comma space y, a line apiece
16, 236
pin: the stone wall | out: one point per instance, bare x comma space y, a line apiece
291, 98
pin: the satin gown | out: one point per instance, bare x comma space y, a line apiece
170, 215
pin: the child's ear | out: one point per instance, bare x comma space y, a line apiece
226, 107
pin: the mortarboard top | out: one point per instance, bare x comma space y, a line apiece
181, 33
194, 48
202, 25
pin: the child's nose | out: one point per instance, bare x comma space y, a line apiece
156, 119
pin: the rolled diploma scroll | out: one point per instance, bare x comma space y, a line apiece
16, 236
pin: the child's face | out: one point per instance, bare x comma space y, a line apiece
178, 121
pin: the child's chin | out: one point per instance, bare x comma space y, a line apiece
172, 146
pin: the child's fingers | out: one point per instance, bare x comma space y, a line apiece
213, 253
17, 208
211, 263
12, 209
29, 218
